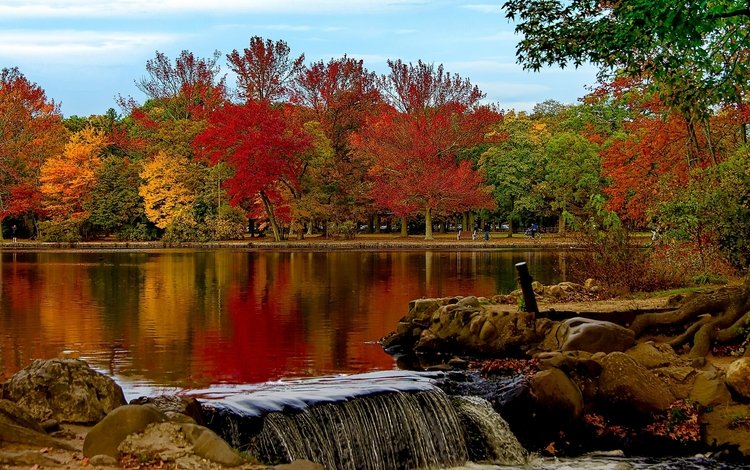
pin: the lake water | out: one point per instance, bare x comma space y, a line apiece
190, 319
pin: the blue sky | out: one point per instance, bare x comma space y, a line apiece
86, 52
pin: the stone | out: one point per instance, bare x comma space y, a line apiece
631, 389
728, 427
537, 287
11, 412
585, 334
210, 446
103, 461
106, 436
67, 390
651, 355
589, 284
710, 389
557, 292
174, 404
556, 396
738, 377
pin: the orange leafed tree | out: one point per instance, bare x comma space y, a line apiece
67, 179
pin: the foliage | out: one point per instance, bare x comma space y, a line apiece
693, 50
183, 227
115, 206
264, 70
164, 189
136, 232
60, 230
68, 179
31, 131
680, 423
229, 224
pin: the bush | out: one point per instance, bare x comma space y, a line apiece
184, 228
61, 231
229, 224
135, 233
346, 230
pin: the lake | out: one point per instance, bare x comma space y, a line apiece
189, 319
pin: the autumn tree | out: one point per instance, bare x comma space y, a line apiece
164, 188
31, 131
257, 142
340, 95
67, 179
415, 141
264, 70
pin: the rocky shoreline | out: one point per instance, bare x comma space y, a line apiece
581, 384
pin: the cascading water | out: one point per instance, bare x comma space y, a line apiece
377, 421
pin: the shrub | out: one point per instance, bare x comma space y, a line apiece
184, 228
137, 232
229, 224
62, 231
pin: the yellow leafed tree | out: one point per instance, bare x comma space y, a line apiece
165, 189
67, 179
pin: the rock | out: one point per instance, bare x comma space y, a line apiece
174, 404
557, 398
210, 446
710, 389
537, 287
556, 292
630, 389
10, 412
30, 459
738, 377
106, 436
300, 465
651, 355
67, 390
589, 335
589, 284
172, 442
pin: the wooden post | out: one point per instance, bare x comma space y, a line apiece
524, 278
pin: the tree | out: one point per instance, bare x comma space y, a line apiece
115, 206
68, 179
164, 189
189, 89
694, 54
264, 70
573, 174
31, 131
340, 95
415, 142
255, 140
515, 165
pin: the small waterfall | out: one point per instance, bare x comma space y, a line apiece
379, 432
488, 436
376, 421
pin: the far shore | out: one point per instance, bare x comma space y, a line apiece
441, 241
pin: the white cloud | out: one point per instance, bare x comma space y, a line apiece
137, 8
484, 7
83, 46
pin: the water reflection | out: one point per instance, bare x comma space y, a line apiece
194, 318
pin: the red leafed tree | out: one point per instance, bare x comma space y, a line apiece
415, 141
31, 130
264, 70
256, 140
340, 95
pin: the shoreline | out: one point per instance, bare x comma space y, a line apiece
362, 242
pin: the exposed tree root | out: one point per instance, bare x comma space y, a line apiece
718, 316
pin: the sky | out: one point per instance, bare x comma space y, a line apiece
84, 53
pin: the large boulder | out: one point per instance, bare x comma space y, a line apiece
557, 398
585, 334
17, 426
66, 390
629, 389
728, 427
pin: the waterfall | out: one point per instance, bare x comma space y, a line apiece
371, 422
488, 436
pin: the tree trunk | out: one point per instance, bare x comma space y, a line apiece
465, 221
561, 225
428, 224
271, 217
404, 228
510, 227
376, 223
